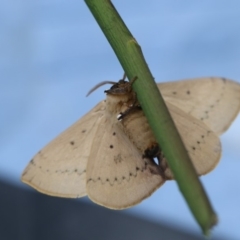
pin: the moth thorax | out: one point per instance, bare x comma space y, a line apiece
118, 103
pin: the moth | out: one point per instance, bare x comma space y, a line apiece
109, 153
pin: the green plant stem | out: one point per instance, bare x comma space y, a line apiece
131, 58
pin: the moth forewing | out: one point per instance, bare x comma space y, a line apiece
215, 101
117, 175
59, 169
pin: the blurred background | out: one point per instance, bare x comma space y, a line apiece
51, 54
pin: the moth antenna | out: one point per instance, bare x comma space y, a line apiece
99, 85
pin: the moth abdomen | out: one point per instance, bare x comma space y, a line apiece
136, 127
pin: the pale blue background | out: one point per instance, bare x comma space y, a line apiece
52, 52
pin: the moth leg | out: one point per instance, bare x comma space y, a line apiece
128, 111
133, 80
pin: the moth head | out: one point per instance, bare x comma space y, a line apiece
121, 87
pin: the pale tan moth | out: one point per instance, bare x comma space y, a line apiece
109, 153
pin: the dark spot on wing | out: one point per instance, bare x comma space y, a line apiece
224, 80
32, 162
114, 133
72, 142
111, 146
188, 92
175, 93
84, 130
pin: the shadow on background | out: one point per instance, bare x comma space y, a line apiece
28, 215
